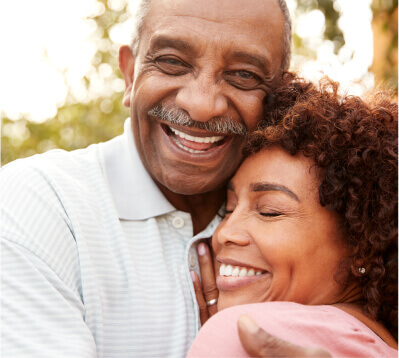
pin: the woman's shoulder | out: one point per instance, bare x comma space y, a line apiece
325, 326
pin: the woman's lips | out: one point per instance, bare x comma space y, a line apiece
234, 275
230, 283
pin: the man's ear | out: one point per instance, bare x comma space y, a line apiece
126, 64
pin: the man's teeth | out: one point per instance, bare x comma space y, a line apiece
187, 149
229, 270
196, 139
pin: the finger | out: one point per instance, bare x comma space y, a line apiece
209, 287
203, 308
259, 343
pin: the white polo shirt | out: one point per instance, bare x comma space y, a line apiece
95, 261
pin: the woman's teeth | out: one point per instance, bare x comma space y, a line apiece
196, 139
229, 270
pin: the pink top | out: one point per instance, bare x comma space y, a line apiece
308, 326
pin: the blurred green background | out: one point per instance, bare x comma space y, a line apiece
77, 125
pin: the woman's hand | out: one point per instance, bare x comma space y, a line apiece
208, 293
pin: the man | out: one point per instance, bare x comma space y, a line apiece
98, 243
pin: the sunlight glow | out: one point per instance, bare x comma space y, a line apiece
49, 46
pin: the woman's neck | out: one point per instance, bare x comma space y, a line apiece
378, 328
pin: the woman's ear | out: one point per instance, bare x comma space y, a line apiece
126, 65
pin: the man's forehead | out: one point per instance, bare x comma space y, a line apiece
249, 23
217, 10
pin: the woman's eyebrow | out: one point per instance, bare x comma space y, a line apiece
261, 186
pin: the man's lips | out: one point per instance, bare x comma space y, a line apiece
194, 142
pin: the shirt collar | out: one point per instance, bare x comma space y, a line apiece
135, 193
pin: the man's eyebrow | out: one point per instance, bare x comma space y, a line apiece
162, 41
261, 186
230, 186
257, 60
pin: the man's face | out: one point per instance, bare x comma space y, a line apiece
202, 72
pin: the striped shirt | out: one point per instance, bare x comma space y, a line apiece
95, 260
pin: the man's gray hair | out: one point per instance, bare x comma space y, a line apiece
144, 6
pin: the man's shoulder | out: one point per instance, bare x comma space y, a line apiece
55, 169
48, 187
56, 159
48, 199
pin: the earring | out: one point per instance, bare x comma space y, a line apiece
362, 270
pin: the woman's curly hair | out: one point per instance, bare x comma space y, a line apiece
353, 143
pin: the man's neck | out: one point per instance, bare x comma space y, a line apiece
202, 207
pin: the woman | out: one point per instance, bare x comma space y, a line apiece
311, 227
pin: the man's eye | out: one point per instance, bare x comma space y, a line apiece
172, 66
245, 74
243, 79
170, 61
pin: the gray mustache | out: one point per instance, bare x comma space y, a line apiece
223, 125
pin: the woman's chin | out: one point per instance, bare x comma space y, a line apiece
235, 291
222, 305
233, 300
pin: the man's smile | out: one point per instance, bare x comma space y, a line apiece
194, 141
197, 143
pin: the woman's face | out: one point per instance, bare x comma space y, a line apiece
277, 243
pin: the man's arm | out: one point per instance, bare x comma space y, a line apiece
41, 316
42, 307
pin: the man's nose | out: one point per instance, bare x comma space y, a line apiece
202, 99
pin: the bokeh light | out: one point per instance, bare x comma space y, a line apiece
49, 49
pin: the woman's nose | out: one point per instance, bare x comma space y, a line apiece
232, 232
202, 99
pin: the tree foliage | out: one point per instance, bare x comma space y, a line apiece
385, 29
77, 125
332, 31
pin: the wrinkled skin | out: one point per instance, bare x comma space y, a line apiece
221, 59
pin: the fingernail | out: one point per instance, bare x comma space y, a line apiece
192, 274
248, 324
201, 249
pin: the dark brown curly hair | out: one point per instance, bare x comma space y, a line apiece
353, 143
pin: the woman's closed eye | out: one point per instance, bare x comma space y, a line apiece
271, 214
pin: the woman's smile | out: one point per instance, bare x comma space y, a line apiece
276, 242
229, 283
233, 275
